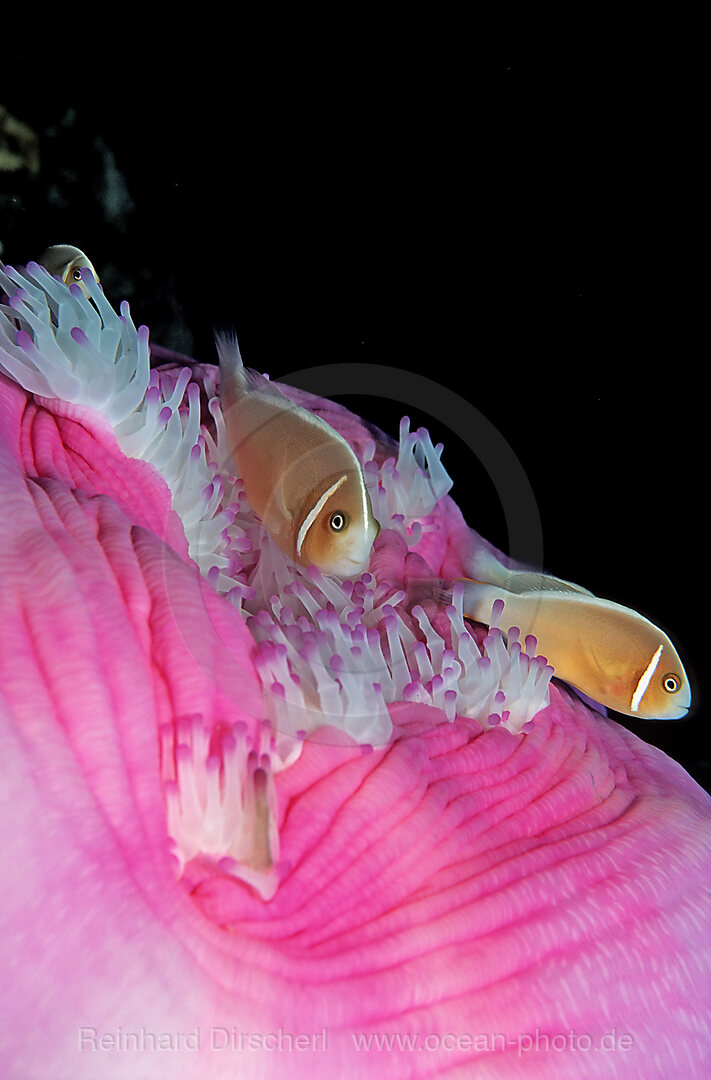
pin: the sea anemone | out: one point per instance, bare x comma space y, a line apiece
262, 821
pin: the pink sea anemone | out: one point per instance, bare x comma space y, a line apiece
259, 822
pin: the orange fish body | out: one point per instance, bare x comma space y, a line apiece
300, 476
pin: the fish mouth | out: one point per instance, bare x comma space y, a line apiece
359, 563
343, 569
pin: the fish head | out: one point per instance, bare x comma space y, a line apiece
67, 262
663, 691
337, 531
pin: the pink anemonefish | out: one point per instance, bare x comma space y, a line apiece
300, 476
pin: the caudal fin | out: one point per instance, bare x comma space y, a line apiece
477, 597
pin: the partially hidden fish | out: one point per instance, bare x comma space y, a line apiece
605, 650
67, 262
300, 476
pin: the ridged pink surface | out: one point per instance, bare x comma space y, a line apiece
471, 894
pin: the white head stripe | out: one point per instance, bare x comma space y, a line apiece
314, 513
363, 497
645, 679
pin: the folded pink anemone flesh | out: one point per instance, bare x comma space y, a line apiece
460, 901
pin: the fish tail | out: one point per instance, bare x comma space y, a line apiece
487, 567
477, 600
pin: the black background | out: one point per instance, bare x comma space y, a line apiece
520, 227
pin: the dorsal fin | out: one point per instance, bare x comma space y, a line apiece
519, 579
235, 378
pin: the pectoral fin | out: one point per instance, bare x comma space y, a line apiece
278, 518
280, 503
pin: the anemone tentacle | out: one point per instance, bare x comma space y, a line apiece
221, 802
61, 344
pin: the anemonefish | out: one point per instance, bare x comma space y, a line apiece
609, 652
67, 262
300, 476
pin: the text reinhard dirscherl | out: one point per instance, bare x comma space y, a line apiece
222, 1039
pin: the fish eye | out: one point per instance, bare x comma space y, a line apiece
76, 274
338, 521
671, 683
